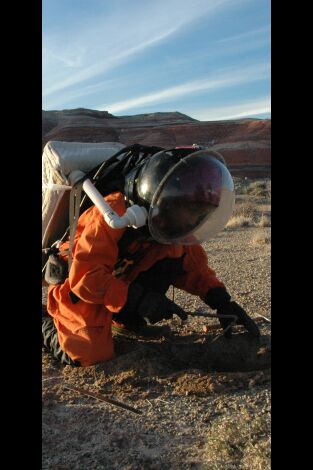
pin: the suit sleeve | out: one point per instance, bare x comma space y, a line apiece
199, 278
94, 257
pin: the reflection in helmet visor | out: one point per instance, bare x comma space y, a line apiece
186, 197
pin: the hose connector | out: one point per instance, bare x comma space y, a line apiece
135, 216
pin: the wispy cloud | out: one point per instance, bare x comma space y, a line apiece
75, 60
240, 110
230, 77
247, 35
103, 65
88, 51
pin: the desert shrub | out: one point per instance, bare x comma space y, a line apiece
244, 215
239, 221
239, 442
265, 221
258, 189
261, 238
247, 209
269, 190
241, 185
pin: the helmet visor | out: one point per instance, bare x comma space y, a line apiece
193, 202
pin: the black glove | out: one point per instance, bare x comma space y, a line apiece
149, 305
232, 308
219, 299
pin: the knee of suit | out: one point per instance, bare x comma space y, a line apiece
89, 345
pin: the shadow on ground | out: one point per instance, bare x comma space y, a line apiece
193, 364
240, 353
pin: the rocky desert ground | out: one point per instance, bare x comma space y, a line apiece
201, 401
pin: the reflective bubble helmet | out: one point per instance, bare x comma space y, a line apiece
189, 196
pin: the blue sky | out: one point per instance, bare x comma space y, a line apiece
209, 59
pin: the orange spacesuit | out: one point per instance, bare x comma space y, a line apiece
83, 305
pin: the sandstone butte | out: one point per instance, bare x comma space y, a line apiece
244, 143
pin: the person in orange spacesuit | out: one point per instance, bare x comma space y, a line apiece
119, 277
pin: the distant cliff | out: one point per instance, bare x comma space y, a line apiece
244, 143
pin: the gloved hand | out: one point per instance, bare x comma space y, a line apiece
147, 305
219, 299
232, 308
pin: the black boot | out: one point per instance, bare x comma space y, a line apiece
51, 343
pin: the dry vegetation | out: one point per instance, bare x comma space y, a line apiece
261, 238
252, 208
205, 400
240, 441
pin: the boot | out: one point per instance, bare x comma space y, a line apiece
143, 330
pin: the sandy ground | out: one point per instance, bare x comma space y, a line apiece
184, 385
